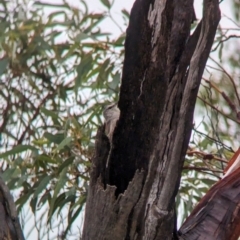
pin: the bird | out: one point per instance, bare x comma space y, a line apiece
111, 115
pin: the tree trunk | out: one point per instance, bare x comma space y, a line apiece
134, 198
217, 215
10, 228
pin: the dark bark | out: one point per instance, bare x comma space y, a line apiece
162, 71
10, 228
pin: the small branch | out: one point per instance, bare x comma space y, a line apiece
206, 156
215, 108
115, 22
5, 113
224, 95
201, 169
33, 118
230, 19
224, 40
230, 78
214, 140
231, 29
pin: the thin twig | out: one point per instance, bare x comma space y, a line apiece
224, 40
230, 78
224, 95
201, 169
48, 96
215, 108
206, 156
214, 140
230, 19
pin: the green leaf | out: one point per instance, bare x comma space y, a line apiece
7, 174
83, 69
33, 204
208, 182
120, 40
59, 202
205, 142
80, 203
106, 3
65, 142
44, 198
126, 13
22, 200
115, 82
51, 114
3, 65
81, 36
19, 182
59, 185
46, 158
44, 4
65, 164
54, 138
55, 14
71, 192
18, 149
66, 200
103, 74
43, 182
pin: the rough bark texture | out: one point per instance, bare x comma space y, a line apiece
10, 228
217, 216
162, 71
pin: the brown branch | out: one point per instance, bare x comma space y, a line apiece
215, 108
201, 169
13, 89
33, 118
6, 114
230, 103
224, 95
229, 29
229, 76
224, 40
206, 156
230, 19
214, 140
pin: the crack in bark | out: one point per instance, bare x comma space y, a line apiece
156, 139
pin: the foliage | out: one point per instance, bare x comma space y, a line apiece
58, 68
